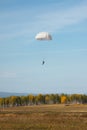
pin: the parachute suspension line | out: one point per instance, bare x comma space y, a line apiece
43, 36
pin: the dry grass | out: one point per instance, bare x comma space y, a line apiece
44, 117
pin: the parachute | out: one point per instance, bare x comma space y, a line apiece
43, 36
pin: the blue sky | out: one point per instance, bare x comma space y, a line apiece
65, 68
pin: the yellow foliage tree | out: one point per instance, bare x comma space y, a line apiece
47, 99
63, 99
1, 101
31, 99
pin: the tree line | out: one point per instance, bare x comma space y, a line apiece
43, 99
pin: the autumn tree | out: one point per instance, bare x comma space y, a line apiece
7, 101
47, 99
31, 99
24, 100
1, 101
57, 98
39, 99
63, 99
13, 101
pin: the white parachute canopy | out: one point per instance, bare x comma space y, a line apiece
43, 36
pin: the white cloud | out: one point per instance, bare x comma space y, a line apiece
55, 20
49, 20
7, 74
80, 50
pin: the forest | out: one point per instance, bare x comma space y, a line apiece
43, 99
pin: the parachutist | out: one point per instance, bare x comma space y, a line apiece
43, 62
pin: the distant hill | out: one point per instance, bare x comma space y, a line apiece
7, 94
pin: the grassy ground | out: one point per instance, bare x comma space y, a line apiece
44, 117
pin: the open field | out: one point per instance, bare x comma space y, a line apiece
44, 117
